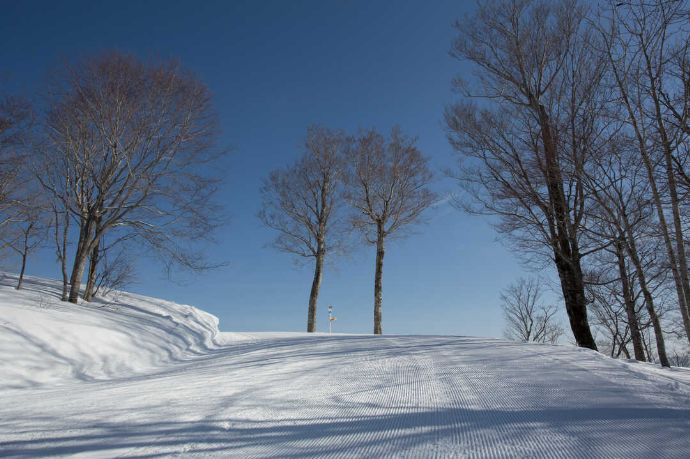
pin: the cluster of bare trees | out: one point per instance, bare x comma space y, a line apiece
368, 183
528, 318
118, 159
22, 222
574, 133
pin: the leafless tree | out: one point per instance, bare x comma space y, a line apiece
622, 213
612, 302
680, 358
114, 270
129, 147
388, 188
27, 230
60, 226
16, 120
302, 203
528, 319
524, 147
647, 44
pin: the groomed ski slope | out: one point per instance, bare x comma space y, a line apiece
138, 377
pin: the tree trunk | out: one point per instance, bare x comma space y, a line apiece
21, 272
680, 242
63, 261
378, 281
80, 256
682, 276
93, 269
648, 299
76, 277
633, 323
314, 294
573, 288
565, 244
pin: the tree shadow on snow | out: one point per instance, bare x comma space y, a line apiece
589, 432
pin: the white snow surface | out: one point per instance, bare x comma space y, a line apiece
131, 376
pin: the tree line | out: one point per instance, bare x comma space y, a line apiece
573, 132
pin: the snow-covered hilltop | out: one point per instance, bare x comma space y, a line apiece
44, 341
134, 376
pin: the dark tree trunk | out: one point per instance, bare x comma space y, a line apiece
314, 294
656, 324
77, 274
565, 243
648, 299
21, 271
63, 261
633, 323
573, 288
93, 269
80, 257
25, 254
378, 281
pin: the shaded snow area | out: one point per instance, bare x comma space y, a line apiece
132, 376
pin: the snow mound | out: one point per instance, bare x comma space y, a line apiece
46, 341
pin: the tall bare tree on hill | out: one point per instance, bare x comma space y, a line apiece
388, 187
524, 147
133, 143
302, 203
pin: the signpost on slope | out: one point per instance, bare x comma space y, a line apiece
331, 319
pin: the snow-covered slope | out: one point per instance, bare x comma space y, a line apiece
195, 392
46, 341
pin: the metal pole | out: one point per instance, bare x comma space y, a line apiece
330, 319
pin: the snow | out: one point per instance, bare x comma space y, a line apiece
133, 376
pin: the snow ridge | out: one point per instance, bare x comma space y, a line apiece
46, 341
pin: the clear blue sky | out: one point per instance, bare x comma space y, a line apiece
274, 68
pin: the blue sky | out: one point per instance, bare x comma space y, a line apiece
274, 68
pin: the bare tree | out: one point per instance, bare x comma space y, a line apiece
388, 187
612, 303
302, 203
28, 229
524, 148
130, 146
16, 121
647, 44
528, 319
114, 269
622, 213
60, 226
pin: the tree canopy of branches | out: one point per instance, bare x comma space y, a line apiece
647, 45
127, 154
524, 147
388, 188
303, 202
527, 318
16, 121
622, 215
